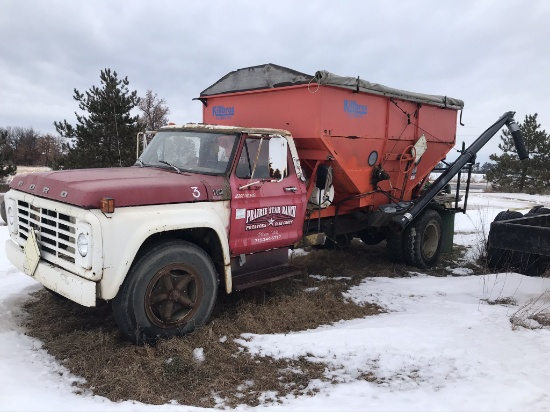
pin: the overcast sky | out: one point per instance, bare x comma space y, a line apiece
494, 55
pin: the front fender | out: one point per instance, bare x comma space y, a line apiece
128, 228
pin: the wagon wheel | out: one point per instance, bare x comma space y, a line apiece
422, 240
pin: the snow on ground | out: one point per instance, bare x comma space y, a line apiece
440, 346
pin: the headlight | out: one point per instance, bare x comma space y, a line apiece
11, 215
82, 244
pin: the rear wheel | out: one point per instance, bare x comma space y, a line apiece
169, 292
422, 240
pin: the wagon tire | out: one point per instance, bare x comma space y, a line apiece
422, 240
170, 291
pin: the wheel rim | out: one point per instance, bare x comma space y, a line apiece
173, 295
430, 240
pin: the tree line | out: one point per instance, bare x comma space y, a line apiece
28, 147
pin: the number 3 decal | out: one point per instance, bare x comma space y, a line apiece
196, 193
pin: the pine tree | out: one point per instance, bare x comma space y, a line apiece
106, 136
509, 174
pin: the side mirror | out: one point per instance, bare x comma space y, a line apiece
278, 151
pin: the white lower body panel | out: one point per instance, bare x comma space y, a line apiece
67, 284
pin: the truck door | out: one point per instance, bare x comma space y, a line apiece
265, 213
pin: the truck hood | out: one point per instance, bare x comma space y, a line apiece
129, 186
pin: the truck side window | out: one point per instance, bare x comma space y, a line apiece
254, 148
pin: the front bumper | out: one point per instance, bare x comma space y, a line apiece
65, 283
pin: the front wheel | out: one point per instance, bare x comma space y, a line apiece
422, 240
170, 291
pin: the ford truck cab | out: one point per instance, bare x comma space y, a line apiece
203, 205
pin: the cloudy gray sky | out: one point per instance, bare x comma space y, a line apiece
493, 54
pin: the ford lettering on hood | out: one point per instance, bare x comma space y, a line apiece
130, 186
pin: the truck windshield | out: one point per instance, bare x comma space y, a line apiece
197, 152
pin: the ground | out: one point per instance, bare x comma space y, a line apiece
352, 333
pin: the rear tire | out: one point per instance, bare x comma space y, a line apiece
170, 291
422, 240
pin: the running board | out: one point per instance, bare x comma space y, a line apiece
250, 279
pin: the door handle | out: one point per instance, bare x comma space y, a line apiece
291, 189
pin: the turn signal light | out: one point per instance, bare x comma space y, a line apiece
107, 204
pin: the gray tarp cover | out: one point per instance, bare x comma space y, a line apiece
269, 76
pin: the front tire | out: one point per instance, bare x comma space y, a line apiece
170, 291
422, 240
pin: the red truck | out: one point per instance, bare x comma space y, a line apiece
282, 159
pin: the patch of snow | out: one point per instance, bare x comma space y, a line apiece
198, 354
461, 271
319, 277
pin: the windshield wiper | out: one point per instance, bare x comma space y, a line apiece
170, 164
141, 164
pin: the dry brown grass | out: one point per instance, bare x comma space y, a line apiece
87, 342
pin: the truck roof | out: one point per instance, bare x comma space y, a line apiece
202, 127
268, 76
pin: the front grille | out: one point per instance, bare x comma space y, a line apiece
54, 231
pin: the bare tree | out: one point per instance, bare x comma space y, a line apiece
154, 112
49, 149
24, 143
